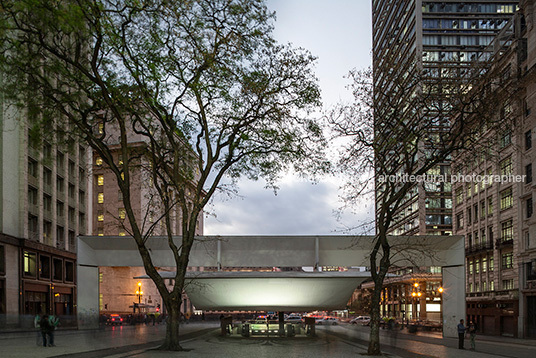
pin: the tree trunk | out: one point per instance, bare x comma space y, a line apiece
172, 329
374, 340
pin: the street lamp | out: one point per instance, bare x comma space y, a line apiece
139, 292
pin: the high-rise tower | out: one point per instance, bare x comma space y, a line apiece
432, 35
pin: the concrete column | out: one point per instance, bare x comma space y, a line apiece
453, 298
422, 301
88, 297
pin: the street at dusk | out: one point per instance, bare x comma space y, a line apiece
204, 341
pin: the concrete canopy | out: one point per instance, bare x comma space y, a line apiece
270, 291
228, 290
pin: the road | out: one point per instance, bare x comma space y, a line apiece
203, 340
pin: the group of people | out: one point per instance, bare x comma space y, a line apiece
46, 324
463, 330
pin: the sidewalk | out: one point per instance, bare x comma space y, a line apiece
95, 343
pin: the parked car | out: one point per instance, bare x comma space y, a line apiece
293, 319
115, 319
363, 320
327, 321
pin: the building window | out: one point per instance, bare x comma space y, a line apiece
69, 271
528, 173
528, 140
477, 266
506, 198
44, 266
459, 195
33, 227
468, 189
98, 161
100, 216
526, 108
32, 195
484, 286
47, 203
491, 263
475, 212
470, 267
120, 195
60, 185
32, 168
507, 230
506, 140
508, 284
484, 264
506, 166
100, 179
100, 198
469, 216
57, 272
507, 260
47, 178
483, 236
492, 285
482, 209
529, 207
100, 231
30, 264
122, 233
122, 213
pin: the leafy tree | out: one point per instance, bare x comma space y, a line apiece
412, 125
201, 83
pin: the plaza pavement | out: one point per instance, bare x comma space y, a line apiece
203, 340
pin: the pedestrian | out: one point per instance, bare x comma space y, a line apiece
393, 328
461, 334
37, 326
472, 334
47, 330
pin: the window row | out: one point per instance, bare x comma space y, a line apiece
45, 267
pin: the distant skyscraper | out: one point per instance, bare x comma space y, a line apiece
432, 35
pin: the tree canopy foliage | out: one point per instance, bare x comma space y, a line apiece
202, 83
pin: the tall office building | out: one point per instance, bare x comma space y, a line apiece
43, 208
411, 34
497, 217
442, 38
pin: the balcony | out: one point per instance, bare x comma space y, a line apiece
500, 243
478, 248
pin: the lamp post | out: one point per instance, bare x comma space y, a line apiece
139, 292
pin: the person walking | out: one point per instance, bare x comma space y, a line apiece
47, 330
472, 334
461, 334
37, 326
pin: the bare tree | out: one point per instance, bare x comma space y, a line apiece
202, 84
399, 134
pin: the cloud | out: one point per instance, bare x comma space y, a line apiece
299, 208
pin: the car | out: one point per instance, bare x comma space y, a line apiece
263, 326
363, 320
115, 319
293, 319
327, 321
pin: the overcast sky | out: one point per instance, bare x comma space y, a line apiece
339, 33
